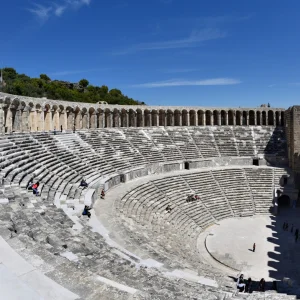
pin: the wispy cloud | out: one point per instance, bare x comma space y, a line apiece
176, 82
43, 12
183, 70
194, 39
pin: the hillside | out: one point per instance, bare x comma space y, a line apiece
44, 86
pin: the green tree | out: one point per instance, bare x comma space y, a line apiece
9, 74
84, 83
45, 77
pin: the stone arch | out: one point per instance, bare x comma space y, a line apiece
162, 117
244, 119
201, 117
177, 117
132, 118
77, 118
70, 118
92, 118
47, 117
231, 118
193, 118
139, 118
277, 118
84, 118
170, 118
282, 118
155, 117
124, 118
215, 117
55, 116
147, 118
252, 117
185, 118
223, 117
208, 116
258, 118
238, 118
264, 118
271, 117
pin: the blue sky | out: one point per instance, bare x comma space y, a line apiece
163, 52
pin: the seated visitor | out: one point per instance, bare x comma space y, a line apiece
83, 183
168, 208
86, 211
29, 186
241, 283
35, 188
262, 285
102, 194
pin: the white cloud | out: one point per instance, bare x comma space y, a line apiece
177, 82
41, 11
194, 39
57, 9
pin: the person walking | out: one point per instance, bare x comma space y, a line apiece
253, 248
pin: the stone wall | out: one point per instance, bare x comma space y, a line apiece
18, 113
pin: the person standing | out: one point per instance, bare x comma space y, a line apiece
253, 248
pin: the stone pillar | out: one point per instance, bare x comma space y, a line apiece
196, 118
212, 119
204, 118
255, 118
234, 118
17, 124
93, 120
25, 119
70, 120
2, 121
150, 118
155, 119
40, 120
85, 122
171, 117
48, 120
219, 118
267, 119
241, 118
63, 120
142, 120
55, 119
8, 123
180, 118
188, 118
247, 118
101, 119
279, 119
274, 118
226, 118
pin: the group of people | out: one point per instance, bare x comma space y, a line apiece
192, 198
285, 227
34, 188
245, 285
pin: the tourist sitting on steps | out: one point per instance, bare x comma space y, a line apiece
35, 188
168, 208
102, 194
241, 283
86, 211
29, 186
83, 183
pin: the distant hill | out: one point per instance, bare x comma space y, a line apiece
44, 86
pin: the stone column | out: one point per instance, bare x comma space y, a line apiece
40, 120
247, 118
219, 118
188, 118
155, 119
85, 121
171, 117
17, 125
204, 118
196, 118
2, 121
255, 118
48, 120
279, 118
93, 120
241, 118
212, 119
32, 119
70, 120
274, 118
234, 118
142, 120
267, 119
101, 119
150, 118
63, 120
8, 123
226, 118
55, 119
25, 119
180, 118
